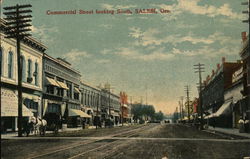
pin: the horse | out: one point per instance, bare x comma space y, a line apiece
39, 125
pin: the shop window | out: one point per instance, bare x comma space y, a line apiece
10, 65
53, 108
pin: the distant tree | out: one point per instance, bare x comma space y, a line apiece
139, 111
159, 116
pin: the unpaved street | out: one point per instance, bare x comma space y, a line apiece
172, 141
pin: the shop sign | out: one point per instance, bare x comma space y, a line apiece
237, 75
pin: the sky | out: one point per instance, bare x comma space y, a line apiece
148, 55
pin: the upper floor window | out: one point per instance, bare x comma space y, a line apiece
1, 56
29, 79
23, 69
36, 74
10, 65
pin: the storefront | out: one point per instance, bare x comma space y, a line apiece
53, 112
76, 118
33, 103
9, 110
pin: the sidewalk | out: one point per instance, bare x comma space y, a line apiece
229, 131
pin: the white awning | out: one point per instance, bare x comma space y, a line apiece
76, 112
31, 97
62, 85
52, 82
9, 104
223, 110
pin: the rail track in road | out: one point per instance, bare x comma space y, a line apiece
80, 149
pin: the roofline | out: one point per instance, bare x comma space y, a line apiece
57, 61
29, 39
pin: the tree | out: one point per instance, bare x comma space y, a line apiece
159, 116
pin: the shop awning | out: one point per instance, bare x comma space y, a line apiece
31, 97
76, 112
77, 90
223, 110
62, 85
9, 104
52, 82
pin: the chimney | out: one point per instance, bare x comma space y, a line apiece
244, 36
223, 60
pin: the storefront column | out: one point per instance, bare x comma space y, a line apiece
15, 125
39, 111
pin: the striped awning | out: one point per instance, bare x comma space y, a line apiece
76, 112
62, 85
52, 82
9, 104
77, 90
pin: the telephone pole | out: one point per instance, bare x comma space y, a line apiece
188, 92
18, 19
199, 69
182, 112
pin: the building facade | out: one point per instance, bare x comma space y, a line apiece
61, 93
31, 62
217, 104
90, 102
245, 55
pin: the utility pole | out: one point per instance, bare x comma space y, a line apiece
199, 69
182, 112
188, 91
18, 19
180, 109
146, 95
97, 111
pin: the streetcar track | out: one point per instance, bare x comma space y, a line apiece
85, 143
106, 152
109, 152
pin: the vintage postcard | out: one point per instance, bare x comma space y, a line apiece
128, 79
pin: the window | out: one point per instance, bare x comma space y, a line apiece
10, 65
50, 89
23, 69
1, 56
29, 68
85, 97
69, 91
36, 74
